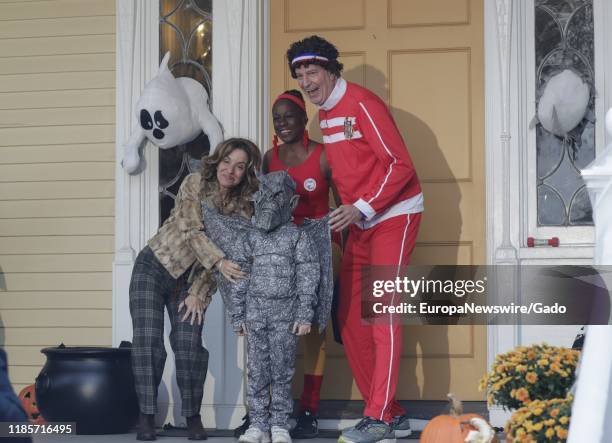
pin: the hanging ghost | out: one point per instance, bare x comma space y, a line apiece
563, 103
170, 112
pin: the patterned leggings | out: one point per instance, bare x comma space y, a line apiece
152, 288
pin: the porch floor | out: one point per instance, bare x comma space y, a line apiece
131, 437
125, 438
329, 433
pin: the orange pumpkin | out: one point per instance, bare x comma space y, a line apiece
456, 427
27, 396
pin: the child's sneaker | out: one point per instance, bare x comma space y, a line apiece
246, 422
280, 435
401, 426
254, 435
368, 430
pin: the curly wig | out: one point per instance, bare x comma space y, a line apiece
318, 46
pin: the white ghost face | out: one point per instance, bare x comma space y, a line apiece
146, 122
164, 116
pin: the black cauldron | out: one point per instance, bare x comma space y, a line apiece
92, 386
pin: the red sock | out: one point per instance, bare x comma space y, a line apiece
311, 394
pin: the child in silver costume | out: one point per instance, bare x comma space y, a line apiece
273, 305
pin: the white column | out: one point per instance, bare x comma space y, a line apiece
136, 198
501, 155
592, 407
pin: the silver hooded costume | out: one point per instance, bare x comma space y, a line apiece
287, 279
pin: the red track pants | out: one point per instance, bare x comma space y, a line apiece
373, 351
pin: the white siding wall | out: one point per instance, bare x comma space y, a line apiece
57, 114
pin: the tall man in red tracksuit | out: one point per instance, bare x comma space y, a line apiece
382, 205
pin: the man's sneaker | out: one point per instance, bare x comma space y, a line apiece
401, 426
246, 422
368, 430
280, 435
254, 435
306, 426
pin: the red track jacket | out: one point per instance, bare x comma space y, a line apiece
370, 164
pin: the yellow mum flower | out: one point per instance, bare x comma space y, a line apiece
562, 433
537, 412
538, 427
542, 362
522, 395
563, 420
531, 377
549, 433
482, 384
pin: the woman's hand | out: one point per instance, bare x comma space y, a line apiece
194, 308
301, 328
230, 270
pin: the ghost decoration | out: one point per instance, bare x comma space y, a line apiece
563, 103
170, 112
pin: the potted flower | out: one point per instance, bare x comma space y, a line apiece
538, 372
541, 421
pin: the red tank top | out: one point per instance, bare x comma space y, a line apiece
312, 186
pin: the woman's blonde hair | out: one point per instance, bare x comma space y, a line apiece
249, 184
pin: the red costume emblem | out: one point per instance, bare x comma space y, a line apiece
348, 128
310, 184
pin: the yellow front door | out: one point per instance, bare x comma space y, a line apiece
425, 59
